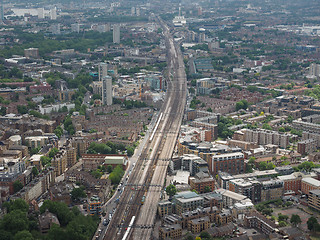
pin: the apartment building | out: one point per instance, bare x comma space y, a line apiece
170, 231
187, 201
271, 190
314, 199
232, 163
308, 184
164, 208
201, 182
199, 224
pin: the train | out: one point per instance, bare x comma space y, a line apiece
143, 199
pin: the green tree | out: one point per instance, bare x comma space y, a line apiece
109, 169
130, 151
295, 219
58, 208
313, 224
171, 190
17, 186
205, 235
282, 224
53, 152
282, 217
15, 221
207, 189
23, 235
45, 160
34, 171
78, 193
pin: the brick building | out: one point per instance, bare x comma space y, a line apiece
232, 163
201, 182
309, 184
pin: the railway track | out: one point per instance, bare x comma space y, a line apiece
148, 176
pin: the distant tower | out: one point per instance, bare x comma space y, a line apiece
314, 70
53, 13
133, 11
75, 27
107, 90
116, 33
103, 70
40, 13
179, 11
1, 13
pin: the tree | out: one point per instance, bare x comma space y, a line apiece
171, 190
130, 151
295, 219
207, 189
266, 126
45, 160
282, 217
17, 186
34, 171
23, 235
15, 221
204, 235
109, 169
282, 224
313, 224
78, 193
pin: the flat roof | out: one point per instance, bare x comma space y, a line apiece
312, 181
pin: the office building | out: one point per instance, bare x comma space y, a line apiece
94, 206
116, 33
107, 90
164, 208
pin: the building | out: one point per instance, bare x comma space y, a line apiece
249, 188
75, 27
232, 163
93, 161
271, 190
259, 222
314, 70
94, 206
107, 90
59, 162
314, 199
60, 193
102, 70
55, 29
164, 208
31, 53
308, 184
229, 198
116, 33
71, 156
187, 201
307, 146
201, 182
40, 13
53, 13
170, 231
265, 137
199, 224
46, 220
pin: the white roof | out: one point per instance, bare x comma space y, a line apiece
312, 181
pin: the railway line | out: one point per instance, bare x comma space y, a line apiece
142, 192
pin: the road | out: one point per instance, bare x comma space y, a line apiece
147, 178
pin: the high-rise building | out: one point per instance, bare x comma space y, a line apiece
133, 11
75, 27
314, 70
31, 53
116, 33
1, 13
103, 70
53, 13
107, 90
40, 13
